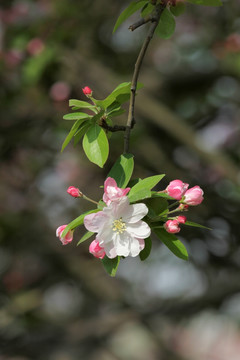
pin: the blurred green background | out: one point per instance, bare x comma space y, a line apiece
56, 301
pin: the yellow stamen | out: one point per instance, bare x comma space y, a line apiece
119, 226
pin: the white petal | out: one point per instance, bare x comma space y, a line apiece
140, 229
136, 246
94, 222
110, 250
105, 234
135, 213
120, 207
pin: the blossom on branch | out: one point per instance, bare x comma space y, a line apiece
64, 239
74, 192
193, 196
172, 226
120, 230
87, 91
176, 189
96, 250
112, 192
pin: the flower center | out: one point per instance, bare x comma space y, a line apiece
119, 226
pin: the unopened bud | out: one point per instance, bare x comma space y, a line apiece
87, 91
74, 192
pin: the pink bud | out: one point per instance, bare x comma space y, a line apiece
172, 227
176, 189
87, 91
96, 250
64, 239
181, 219
74, 192
193, 196
112, 192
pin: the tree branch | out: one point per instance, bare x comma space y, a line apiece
131, 120
114, 128
142, 21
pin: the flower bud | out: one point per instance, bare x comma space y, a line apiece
171, 226
96, 250
181, 219
74, 192
64, 239
87, 91
176, 189
193, 196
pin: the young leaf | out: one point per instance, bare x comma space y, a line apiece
190, 223
85, 237
144, 254
72, 132
78, 221
161, 195
166, 25
76, 116
81, 104
111, 265
147, 9
172, 242
206, 2
95, 145
178, 9
139, 195
121, 94
122, 170
131, 9
81, 131
146, 184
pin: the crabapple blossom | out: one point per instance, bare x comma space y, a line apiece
120, 230
96, 250
112, 192
193, 196
87, 91
181, 219
176, 189
64, 239
74, 192
172, 226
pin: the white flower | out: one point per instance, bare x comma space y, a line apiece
120, 230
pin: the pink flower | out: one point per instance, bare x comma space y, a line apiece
172, 227
74, 192
181, 219
87, 91
193, 196
119, 227
176, 189
112, 192
64, 239
96, 250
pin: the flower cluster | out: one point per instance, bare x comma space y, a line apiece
119, 226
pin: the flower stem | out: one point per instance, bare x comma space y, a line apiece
88, 199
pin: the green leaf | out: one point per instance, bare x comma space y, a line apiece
158, 205
206, 2
95, 145
190, 223
71, 133
144, 254
78, 221
81, 131
140, 195
147, 9
146, 184
166, 25
81, 104
161, 195
172, 242
76, 116
131, 9
111, 265
121, 94
85, 237
178, 9
122, 170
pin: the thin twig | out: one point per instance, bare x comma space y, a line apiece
142, 21
114, 128
130, 120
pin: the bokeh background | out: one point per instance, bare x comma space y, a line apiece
56, 301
